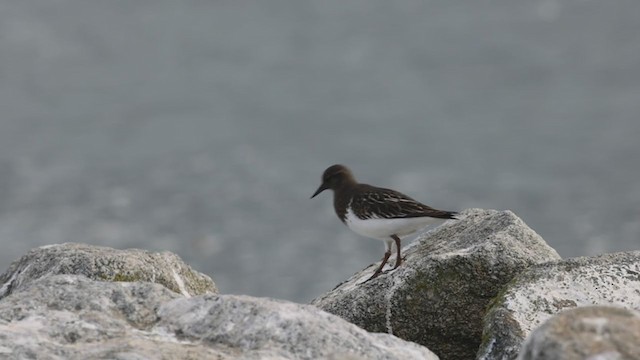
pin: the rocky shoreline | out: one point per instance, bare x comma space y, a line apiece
482, 287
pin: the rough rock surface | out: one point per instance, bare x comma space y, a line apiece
73, 317
285, 328
439, 295
106, 264
544, 290
590, 332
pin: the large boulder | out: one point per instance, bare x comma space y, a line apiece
285, 329
544, 290
439, 295
590, 332
106, 264
74, 317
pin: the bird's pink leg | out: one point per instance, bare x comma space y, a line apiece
384, 261
398, 257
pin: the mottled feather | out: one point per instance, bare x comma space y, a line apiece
370, 202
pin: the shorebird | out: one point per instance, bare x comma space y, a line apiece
376, 212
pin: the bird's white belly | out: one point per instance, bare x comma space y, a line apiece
382, 229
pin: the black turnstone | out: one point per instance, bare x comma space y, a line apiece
378, 213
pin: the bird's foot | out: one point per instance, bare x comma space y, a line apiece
375, 275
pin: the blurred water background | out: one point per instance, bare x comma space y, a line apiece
202, 127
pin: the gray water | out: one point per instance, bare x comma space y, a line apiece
202, 127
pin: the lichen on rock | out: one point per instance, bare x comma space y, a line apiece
544, 290
439, 295
106, 264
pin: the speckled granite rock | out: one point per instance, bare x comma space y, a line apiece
591, 332
73, 317
439, 295
543, 290
106, 264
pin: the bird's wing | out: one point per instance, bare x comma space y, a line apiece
374, 202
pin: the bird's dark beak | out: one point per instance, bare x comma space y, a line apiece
322, 188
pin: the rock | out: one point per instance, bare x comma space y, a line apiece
106, 264
287, 329
544, 290
591, 332
439, 295
74, 317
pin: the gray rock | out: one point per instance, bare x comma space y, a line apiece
592, 332
106, 264
544, 290
73, 317
289, 330
439, 295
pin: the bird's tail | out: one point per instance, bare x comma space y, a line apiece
443, 214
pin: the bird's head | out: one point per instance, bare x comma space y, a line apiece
335, 177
